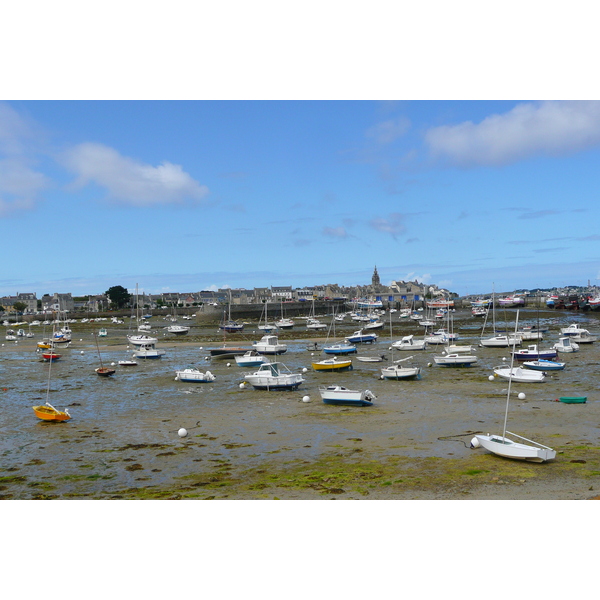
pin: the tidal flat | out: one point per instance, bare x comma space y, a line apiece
413, 443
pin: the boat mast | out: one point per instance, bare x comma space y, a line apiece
512, 361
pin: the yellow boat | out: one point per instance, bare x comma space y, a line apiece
47, 412
332, 364
45, 344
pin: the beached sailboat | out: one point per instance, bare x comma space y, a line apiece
266, 326
342, 348
228, 324
102, 370
47, 412
398, 370
504, 446
333, 364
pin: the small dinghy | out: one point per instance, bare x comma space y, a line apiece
544, 365
338, 394
194, 376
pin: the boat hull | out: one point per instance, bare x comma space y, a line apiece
506, 448
46, 413
573, 399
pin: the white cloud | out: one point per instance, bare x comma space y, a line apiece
393, 224
19, 186
130, 181
335, 232
388, 131
15, 131
530, 129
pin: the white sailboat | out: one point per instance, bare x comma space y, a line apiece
397, 370
504, 446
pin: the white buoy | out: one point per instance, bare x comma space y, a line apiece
521, 396
306, 399
228, 364
182, 432
491, 378
242, 385
112, 364
304, 369
503, 358
429, 364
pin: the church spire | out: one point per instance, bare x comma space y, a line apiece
375, 281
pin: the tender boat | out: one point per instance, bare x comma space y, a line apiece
105, 371
51, 356
274, 376
338, 394
572, 399
194, 375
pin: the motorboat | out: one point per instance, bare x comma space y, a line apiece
409, 343
274, 376
338, 394
358, 337
194, 376
250, 359
285, 323
269, 344
148, 351
567, 345
533, 352
315, 324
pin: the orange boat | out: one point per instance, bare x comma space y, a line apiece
47, 412
51, 356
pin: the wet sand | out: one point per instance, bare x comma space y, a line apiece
122, 441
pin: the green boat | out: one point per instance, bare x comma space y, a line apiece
573, 399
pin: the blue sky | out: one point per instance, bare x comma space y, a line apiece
192, 195
297, 145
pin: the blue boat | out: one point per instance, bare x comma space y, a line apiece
544, 365
359, 337
340, 349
